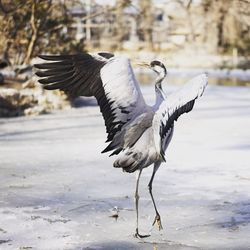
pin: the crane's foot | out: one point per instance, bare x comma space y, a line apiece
140, 236
158, 221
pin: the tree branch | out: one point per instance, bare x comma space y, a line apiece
9, 11
34, 32
122, 4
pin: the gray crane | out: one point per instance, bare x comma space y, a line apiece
138, 133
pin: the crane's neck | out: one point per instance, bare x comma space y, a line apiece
160, 95
161, 71
159, 79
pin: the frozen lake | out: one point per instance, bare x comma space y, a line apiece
57, 191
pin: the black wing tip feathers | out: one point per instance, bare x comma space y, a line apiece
55, 57
44, 57
174, 117
49, 57
80, 74
106, 55
38, 66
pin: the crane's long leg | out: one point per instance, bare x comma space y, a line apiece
157, 216
136, 206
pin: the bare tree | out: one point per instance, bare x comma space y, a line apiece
186, 5
10, 7
35, 23
33, 27
227, 24
147, 22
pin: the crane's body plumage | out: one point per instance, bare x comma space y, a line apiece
138, 133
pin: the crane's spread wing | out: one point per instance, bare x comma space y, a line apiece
110, 79
175, 105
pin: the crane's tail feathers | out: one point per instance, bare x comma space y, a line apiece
129, 162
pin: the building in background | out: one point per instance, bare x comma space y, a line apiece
172, 24
60, 26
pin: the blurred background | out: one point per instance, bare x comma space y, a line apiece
57, 191
189, 36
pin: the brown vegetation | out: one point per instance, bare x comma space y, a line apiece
175, 28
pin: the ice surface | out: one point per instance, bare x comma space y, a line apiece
57, 191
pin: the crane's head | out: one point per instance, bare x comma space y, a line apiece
157, 66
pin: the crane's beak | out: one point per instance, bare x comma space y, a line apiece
141, 64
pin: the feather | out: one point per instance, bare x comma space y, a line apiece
175, 105
108, 78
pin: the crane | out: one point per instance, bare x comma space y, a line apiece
137, 133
